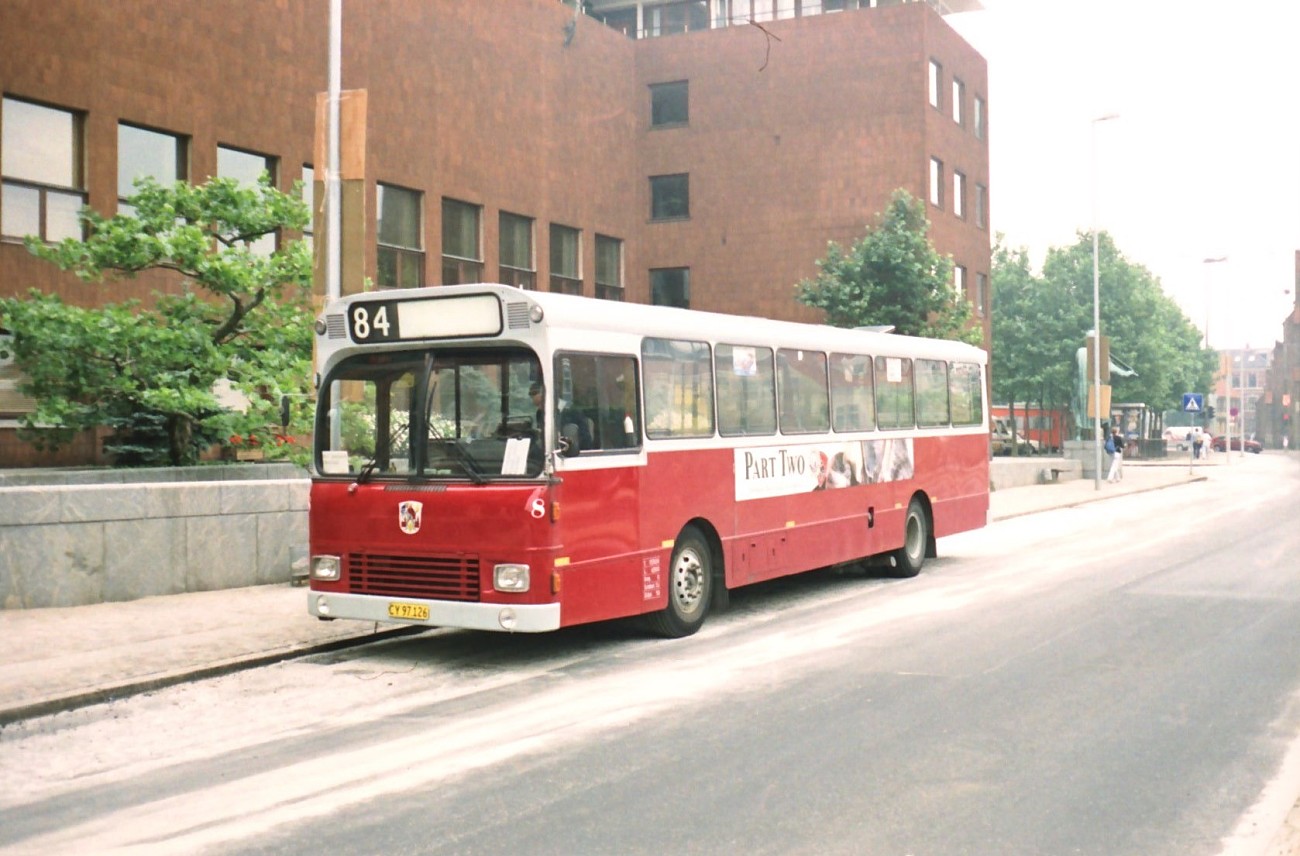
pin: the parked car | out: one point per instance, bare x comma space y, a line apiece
1178, 438
1218, 444
1000, 438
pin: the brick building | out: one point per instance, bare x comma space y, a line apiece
1280, 407
513, 141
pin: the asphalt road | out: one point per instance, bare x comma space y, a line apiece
1117, 678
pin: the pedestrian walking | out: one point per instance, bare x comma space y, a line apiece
1115, 446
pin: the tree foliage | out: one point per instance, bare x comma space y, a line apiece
151, 374
1040, 322
892, 276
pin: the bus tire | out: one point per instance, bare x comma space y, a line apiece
909, 558
690, 587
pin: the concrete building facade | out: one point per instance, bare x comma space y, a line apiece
515, 141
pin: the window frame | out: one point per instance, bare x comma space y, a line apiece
664, 98
684, 287
605, 289
519, 276
936, 182
267, 244
65, 215
180, 153
404, 257
464, 269
670, 197
565, 278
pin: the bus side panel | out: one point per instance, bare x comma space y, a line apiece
600, 551
677, 487
956, 469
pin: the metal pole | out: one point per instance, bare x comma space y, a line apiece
1096, 317
1227, 433
1241, 409
334, 195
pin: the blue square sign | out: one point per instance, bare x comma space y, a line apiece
1193, 402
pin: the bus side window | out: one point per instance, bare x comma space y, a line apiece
678, 388
853, 398
603, 413
894, 395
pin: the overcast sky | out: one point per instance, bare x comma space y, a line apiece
1202, 161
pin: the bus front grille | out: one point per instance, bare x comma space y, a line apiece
433, 577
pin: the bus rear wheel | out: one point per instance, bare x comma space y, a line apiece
909, 558
690, 587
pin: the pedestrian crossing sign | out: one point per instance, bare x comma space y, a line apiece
1193, 402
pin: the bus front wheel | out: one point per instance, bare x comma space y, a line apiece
690, 587
909, 558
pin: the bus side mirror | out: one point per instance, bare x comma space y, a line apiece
569, 445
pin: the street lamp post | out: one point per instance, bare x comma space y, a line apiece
1096, 317
1207, 296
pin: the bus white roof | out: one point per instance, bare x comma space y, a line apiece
564, 311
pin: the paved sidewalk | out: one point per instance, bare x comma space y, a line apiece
58, 659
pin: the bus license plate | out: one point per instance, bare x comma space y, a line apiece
410, 611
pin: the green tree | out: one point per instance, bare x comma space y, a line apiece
1035, 322
891, 276
149, 373
1040, 322
1147, 329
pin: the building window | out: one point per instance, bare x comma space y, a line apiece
42, 183
958, 101
609, 268
981, 206
936, 182
309, 199
671, 287
399, 234
683, 16
462, 254
566, 255
669, 104
936, 80
670, 197
979, 118
959, 194
247, 169
516, 263
142, 153
981, 294
959, 280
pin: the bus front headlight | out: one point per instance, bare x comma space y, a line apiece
511, 578
326, 567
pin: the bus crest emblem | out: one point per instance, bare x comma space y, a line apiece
408, 516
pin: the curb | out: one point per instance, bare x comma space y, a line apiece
61, 704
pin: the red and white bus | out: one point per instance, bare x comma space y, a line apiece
499, 459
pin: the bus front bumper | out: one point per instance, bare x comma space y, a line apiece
516, 618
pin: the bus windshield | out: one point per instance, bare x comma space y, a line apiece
435, 413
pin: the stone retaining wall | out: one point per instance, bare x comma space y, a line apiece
80, 537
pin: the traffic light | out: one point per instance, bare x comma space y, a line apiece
1209, 411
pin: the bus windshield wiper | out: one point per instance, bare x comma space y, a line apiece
461, 454
372, 463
